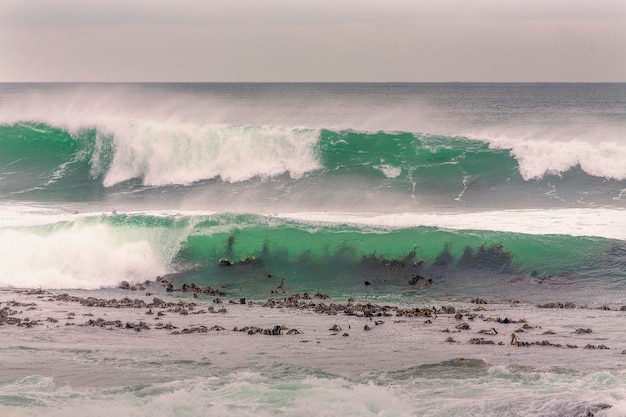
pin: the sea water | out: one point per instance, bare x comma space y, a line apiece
512, 193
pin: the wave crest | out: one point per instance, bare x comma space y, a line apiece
162, 154
556, 156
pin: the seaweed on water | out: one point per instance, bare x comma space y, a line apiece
407, 262
230, 242
494, 258
346, 260
247, 261
265, 250
418, 279
305, 259
444, 258
442, 262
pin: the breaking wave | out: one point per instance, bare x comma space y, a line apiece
39, 158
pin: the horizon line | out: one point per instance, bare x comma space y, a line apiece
312, 82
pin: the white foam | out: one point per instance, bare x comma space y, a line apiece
81, 256
599, 152
607, 223
182, 153
247, 393
244, 394
21, 215
603, 159
390, 171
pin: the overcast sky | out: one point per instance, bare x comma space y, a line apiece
312, 40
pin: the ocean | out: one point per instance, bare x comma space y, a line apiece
441, 249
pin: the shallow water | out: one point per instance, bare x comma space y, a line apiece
402, 366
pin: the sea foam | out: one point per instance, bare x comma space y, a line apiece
598, 151
182, 153
240, 394
81, 256
606, 223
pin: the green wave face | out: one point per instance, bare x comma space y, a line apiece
310, 257
252, 255
39, 160
418, 162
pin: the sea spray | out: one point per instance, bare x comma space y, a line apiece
181, 154
90, 252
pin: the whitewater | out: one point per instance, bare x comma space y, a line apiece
481, 201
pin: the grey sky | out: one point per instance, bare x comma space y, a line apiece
313, 40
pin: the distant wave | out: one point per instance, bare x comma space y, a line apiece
160, 155
156, 153
537, 159
36, 157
